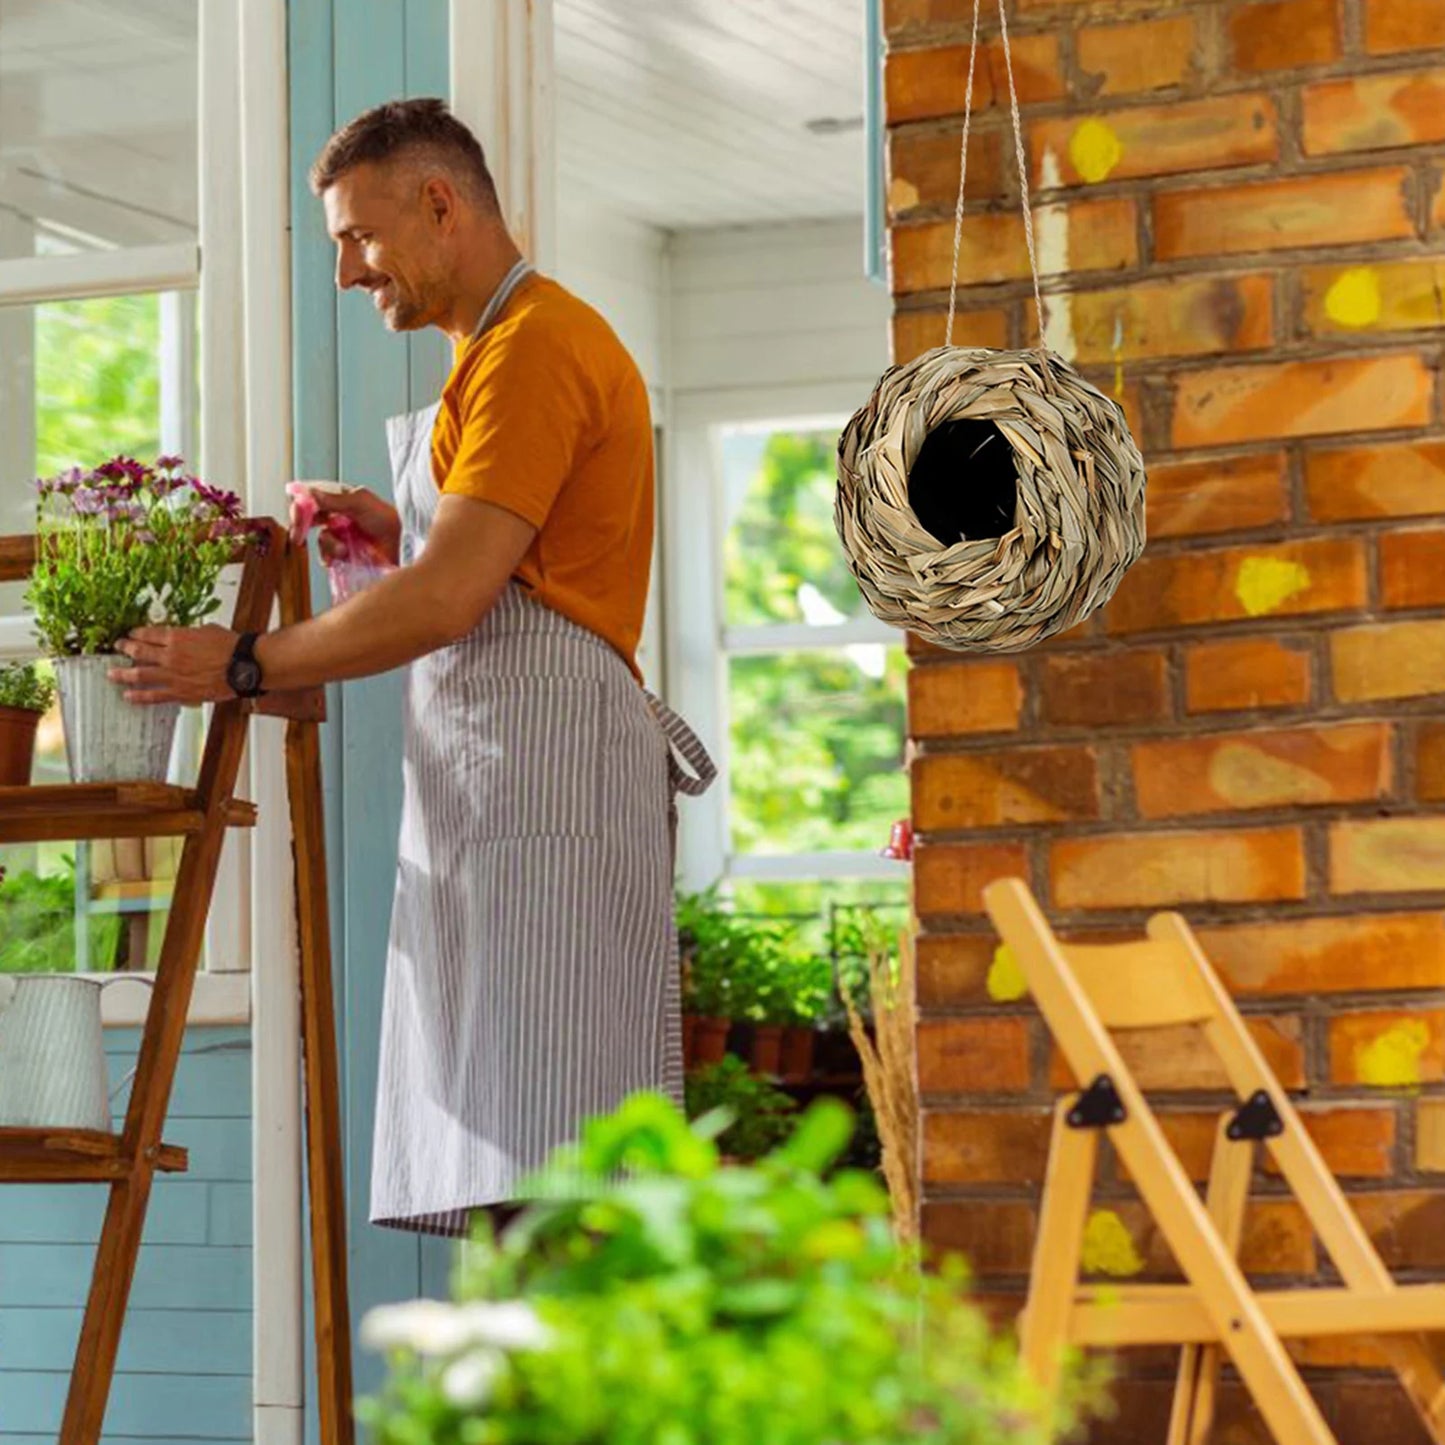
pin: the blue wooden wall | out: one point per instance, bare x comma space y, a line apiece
350, 375
185, 1361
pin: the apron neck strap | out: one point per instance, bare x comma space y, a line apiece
502, 295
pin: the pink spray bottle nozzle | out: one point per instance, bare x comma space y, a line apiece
358, 563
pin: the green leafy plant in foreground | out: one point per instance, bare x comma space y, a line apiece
651, 1297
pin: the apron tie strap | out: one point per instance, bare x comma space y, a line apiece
684, 743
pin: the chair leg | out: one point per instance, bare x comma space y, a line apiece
1054, 1277
1196, 1392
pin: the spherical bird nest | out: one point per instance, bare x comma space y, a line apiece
988, 499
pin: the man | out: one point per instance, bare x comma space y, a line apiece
531, 974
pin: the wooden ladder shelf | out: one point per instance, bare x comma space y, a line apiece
128, 1162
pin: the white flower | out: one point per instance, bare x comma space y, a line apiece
439, 1329
467, 1381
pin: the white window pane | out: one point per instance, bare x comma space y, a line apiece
816, 749
782, 561
98, 124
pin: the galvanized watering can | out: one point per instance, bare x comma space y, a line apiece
52, 1051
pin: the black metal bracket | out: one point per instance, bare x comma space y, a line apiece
1256, 1118
1097, 1107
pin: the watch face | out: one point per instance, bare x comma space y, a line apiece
244, 675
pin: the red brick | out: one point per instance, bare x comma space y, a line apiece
1373, 298
924, 84
985, 1147
1233, 772
1407, 1227
1394, 479
1430, 1135
1313, 956
1388, 1048
1301, 398
1234, 494
1094, 236
1388, 855
915, 332
1374, 112
1412, 568
986, 1055
1329, 210
995, 1235
1161, 870
949, 699
953, 968
1395, 25
1283, 34
1148, 55
1323, 574
1104, 689
923, 170
1183, 316
1254, 672
1388, 660
1430, 763
1002, 787
1180, 1060
950, 878
1177, 138
1437, 205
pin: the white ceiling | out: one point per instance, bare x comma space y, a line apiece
98, 120
680, 113
693, 113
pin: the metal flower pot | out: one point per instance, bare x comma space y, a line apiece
107, 739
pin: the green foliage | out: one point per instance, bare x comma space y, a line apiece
760, 1116
687, 1304
125, 545
816, 742
37, 925
23, 685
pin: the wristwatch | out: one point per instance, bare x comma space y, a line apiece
243, 672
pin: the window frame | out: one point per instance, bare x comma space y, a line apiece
699, 642
209, 274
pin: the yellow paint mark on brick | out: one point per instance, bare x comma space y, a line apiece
1095, 149
1266, 583
1392, 1059
1006, 982
1354, 298
1109, 1247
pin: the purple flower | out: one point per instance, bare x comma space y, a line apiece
228, 504
169, 464
88, 501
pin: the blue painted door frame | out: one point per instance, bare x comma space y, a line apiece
350, 374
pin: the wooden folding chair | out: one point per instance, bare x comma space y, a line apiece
1086, 993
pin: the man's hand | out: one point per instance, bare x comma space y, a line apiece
379, 520
176, 664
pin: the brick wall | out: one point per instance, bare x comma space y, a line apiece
1241, 213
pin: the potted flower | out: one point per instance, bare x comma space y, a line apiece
652, 1296
120, 547
710, 939
25, 696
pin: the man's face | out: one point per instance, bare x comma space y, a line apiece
388, 241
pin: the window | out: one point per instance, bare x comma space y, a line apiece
101, 215
802, 692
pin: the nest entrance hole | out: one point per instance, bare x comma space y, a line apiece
963, 485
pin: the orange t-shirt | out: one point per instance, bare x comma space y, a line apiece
547, 415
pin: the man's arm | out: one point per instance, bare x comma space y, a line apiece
471, 553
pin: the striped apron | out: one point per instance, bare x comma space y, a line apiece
532, 977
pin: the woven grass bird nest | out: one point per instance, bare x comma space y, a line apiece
988, 499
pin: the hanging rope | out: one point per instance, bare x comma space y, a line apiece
989, 499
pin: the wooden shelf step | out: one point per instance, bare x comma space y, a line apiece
61, 811
73, 1156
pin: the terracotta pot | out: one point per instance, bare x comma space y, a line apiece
768, 1048
797, 1057
17, 745
689, 1040
710, 1040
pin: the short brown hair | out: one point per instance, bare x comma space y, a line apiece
400, 127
